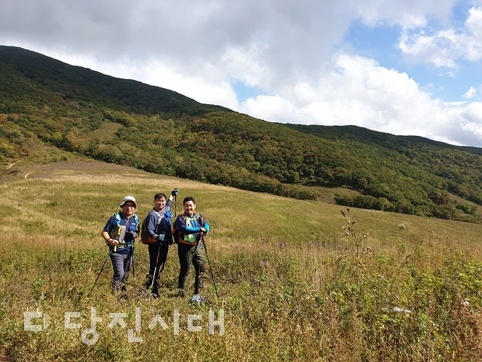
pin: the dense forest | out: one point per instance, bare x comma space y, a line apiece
47, 102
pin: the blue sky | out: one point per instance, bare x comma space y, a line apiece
380, 43
406, 67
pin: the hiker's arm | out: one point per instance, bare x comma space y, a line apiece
201, 227
204, 224
205, 228
168, 204
151, 225
108, 240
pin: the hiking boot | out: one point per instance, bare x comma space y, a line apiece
155, 289
120, 287
155, 295
147, 284
197, 299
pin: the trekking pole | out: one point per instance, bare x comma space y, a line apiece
175, 206
98, 275
210, 268
133, 265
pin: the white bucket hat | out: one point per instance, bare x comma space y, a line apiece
128, 198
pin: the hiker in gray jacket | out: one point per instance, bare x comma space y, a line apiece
159, 236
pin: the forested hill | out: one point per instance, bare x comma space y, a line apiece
43, 78
46, 104
360, 134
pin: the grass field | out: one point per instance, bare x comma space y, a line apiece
296, 280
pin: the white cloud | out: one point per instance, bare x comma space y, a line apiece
286, 49
471, 93
474, 29
444, 47
358, 91
408, 14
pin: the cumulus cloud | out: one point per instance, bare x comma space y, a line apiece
359, 91
294, 53
444, 47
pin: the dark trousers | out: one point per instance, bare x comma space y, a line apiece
121, 263
154, 250
190, 254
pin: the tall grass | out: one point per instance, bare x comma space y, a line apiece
293, 285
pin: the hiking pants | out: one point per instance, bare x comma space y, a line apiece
154, 249
190, 254
121, 264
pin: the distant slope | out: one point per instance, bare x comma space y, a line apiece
47, 105
82, 84
387, 140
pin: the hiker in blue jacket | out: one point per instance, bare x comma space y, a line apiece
189, 228
158, 229
119, 234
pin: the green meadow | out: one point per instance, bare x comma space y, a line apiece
295, 280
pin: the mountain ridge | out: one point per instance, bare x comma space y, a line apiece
47, 102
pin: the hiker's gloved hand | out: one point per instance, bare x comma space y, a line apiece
133, 234
161, 237
204, 230
175, 192
132, 231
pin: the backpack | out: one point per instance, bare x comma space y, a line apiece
176, 234
145, 238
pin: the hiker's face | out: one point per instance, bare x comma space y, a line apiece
128, 208
160, 203
189, 207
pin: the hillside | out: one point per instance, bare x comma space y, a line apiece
293, 284
47, 106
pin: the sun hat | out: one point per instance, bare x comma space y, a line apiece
128, 198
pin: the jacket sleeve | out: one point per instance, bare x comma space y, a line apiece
167, 207
196, 226
110, 225
205, 224
180, 224
151, 224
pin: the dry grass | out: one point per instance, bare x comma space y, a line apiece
290, 282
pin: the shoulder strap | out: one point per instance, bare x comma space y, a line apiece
118, 218
159, 216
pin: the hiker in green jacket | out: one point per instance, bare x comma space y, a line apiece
119, 234
189, 228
